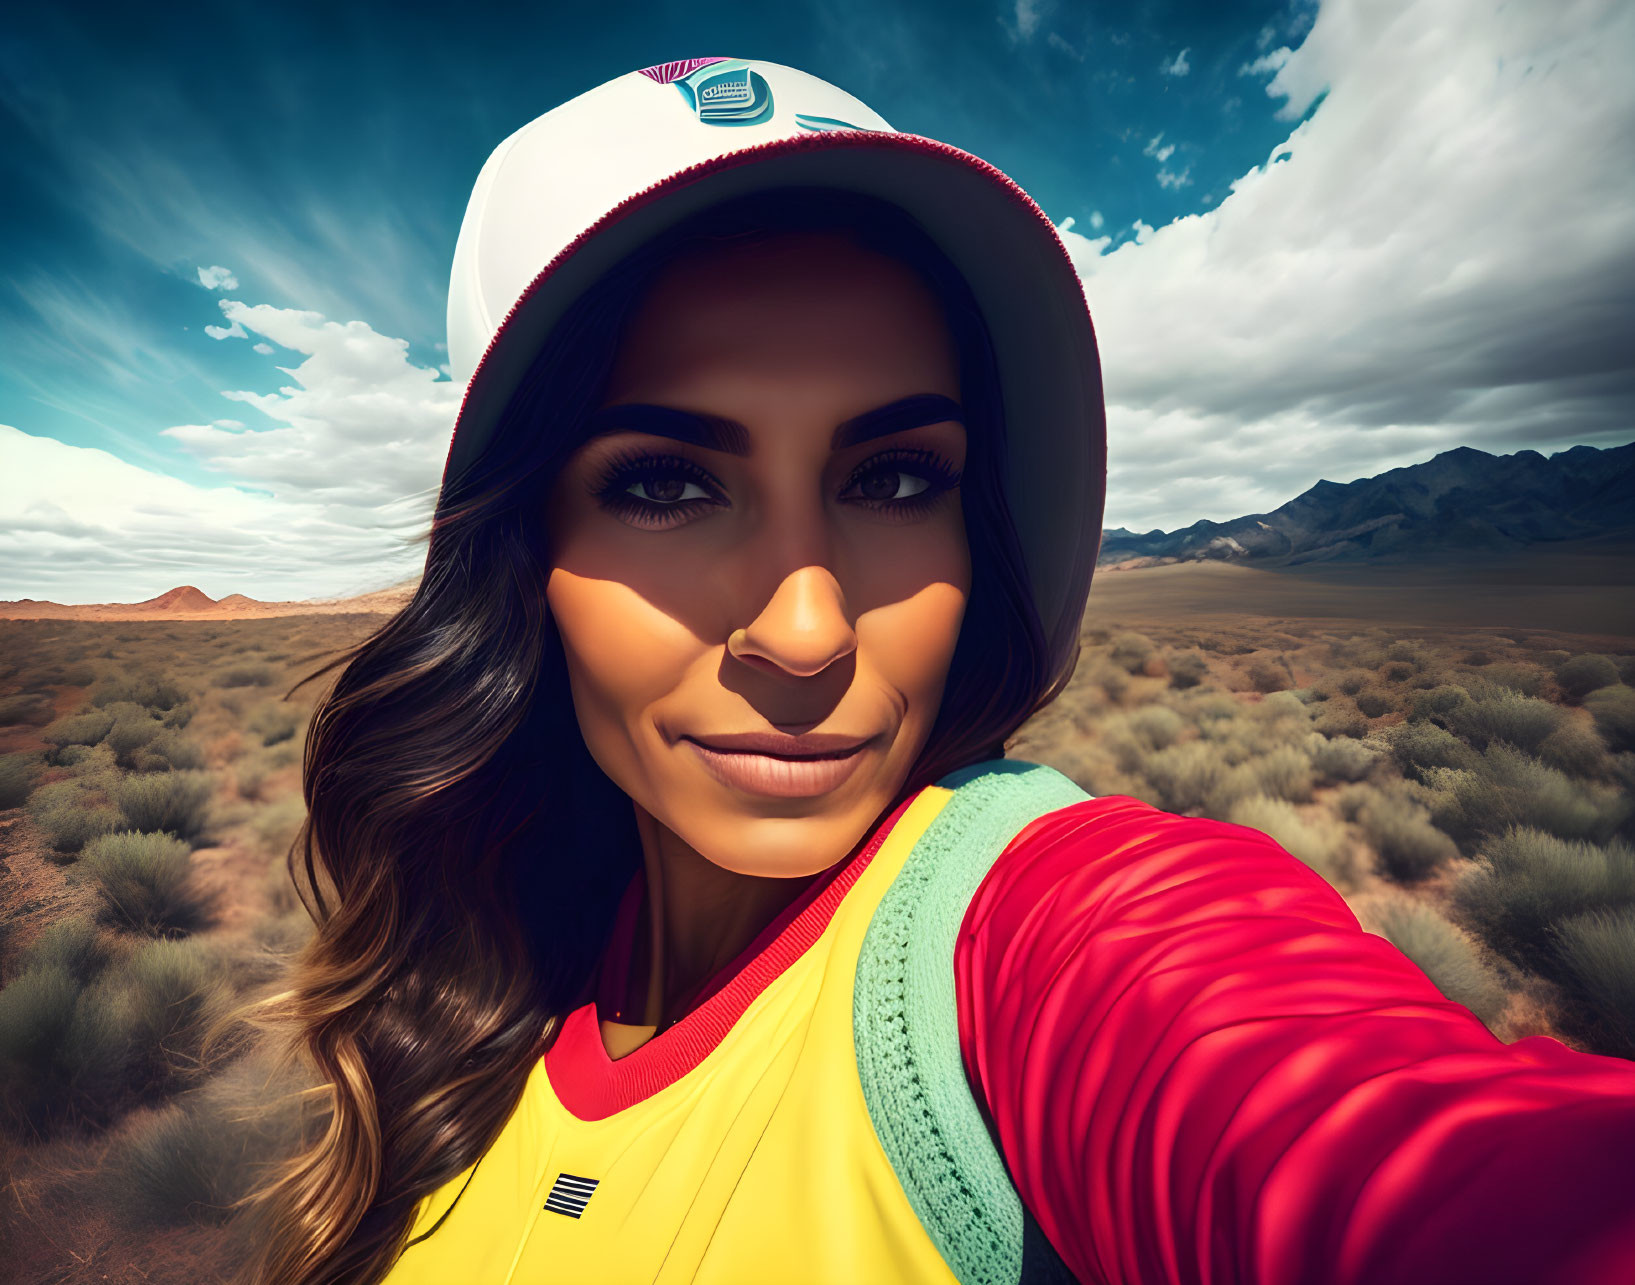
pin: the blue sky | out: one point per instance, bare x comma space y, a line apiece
322, 158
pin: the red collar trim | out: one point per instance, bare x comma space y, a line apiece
592, 1086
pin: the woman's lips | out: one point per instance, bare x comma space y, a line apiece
786, 778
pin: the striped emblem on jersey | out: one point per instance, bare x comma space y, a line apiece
569, 1195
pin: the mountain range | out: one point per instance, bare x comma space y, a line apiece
1460, 502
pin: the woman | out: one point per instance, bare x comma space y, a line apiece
677, 920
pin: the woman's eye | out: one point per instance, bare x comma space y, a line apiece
666, 490
885, 484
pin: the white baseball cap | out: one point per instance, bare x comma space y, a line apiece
572, 192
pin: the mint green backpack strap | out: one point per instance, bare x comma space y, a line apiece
906, 1027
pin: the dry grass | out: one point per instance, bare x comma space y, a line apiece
1396, 762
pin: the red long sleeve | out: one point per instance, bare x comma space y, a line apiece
1200, 1068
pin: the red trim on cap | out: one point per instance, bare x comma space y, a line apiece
593, 1086
743, 156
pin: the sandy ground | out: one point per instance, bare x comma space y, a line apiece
1589, 594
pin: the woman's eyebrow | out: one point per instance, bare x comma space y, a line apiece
718, 433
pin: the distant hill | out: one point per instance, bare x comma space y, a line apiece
187, 603
184, 598
1463, 501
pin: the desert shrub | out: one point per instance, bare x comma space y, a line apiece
17, 778
78, 729
1313, 695
1597, 955
1156, 726
1184, 776
145, 882
1342, 759
250, 675
1205, 707
282, 895
1436, 702
35, 1012
1398, 671
1108, 679
1417, 746
250, 775
1527, 882
1282, 707
1477, 658
282, 755
1575, 748
1626, 669
1319, 841
195, 1158
73, 944
1525, 680
275, 723
1341, 717
1614, 711
175, 801
275, 824
129, 735
1499, 714
152, 690
1444, 954
178, 716
1266, 674
166, 751
69, 755
71, 814
1187, 668
167, 995
1409, 847
1353, 681
26, 709
1405, 652
62, 1053
1374, 703
1282, 773
1509, 788
1131, 651
1581, 675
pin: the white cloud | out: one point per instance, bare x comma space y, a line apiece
78, 524
1178, 66
359, 423
1160, 154
1056, 42
233, 331
1027, 17
1272, 61
266, 350
217, 279
1444, 255
1175, 182
326, 495
1095, 219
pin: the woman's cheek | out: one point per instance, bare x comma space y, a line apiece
623, 655
911, 643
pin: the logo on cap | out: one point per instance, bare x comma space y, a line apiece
719, 91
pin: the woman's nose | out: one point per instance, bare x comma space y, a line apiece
802, 630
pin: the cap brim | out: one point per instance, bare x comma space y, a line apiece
1018, 271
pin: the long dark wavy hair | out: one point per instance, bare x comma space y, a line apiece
463, 854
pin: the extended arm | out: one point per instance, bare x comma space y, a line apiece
1201, 1069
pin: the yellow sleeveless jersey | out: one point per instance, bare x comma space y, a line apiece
734, 1147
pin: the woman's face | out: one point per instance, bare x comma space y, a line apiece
752, 545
